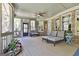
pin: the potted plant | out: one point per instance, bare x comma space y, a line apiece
69, 32
68, 35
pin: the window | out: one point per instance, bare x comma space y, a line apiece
17, 26
41, 26
32, 25
5, 18
66, 22
77, 22
6, 34
57, 24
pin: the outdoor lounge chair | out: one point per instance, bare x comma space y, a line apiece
53, 34
59, 36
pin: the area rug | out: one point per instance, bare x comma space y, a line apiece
76, 53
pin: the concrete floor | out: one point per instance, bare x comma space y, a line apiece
34, 46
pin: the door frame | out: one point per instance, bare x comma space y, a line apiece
25, 34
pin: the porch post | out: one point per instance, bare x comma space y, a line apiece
0, 27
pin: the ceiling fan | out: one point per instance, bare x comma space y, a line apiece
43, 14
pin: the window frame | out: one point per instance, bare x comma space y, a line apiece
76, 12
7, 35
17, 32
57, 21
8, 21
33, 28
69, 14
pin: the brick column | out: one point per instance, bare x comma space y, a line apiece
73, 27
73, 22
60, 20
52, 25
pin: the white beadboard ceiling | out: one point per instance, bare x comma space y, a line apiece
28, 10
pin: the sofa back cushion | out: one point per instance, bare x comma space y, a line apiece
60, 34
54, 33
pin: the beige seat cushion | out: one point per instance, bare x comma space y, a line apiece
54, 33
60, 34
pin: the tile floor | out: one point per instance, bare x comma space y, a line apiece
34, 46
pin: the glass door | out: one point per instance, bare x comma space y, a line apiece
25, 29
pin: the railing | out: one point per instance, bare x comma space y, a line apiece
6, 34
6, 39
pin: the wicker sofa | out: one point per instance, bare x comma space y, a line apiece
34, 33
54, 37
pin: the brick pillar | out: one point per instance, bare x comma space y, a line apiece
60, 26
73, 27
73, 22
52, 25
